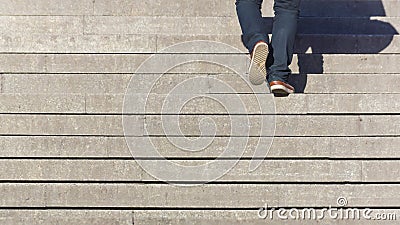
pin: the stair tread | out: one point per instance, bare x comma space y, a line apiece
102, 147
207, 196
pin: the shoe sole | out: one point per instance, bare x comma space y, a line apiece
281, 90
257, 70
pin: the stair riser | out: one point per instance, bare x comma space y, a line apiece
205, 8
317, 44
129, 63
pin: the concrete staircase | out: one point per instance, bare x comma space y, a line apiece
65, 66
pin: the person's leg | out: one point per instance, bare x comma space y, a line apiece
283, 37
250, 19
254, 38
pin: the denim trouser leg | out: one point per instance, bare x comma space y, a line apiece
283, 37
250, 19
283, 33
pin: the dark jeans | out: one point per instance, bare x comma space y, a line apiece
283, 33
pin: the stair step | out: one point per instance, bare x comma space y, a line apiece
129, 63
223, 8
228, 217
293, 125
282, 147
52, 25
46, 7
288, 125
219, 196
315, 43
66, 217
311, 83
268, 171
178, 217
120, 25
200, 104
78, 43
124, 170
116, 84
348, 8
243, 104
174, 216
224, 26
310, 43
40, 103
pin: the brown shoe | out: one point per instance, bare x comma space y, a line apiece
257, 70
280, 88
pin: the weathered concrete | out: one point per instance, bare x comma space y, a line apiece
227, 8
46, 7
210, 196
50, 25
115, 147
204, 103
129, 63
42, 103
77, 43
99, 84
124, 170
237, 217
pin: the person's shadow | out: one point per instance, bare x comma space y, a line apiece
336, 27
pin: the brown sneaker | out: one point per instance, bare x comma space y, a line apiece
280, 88
257, 70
